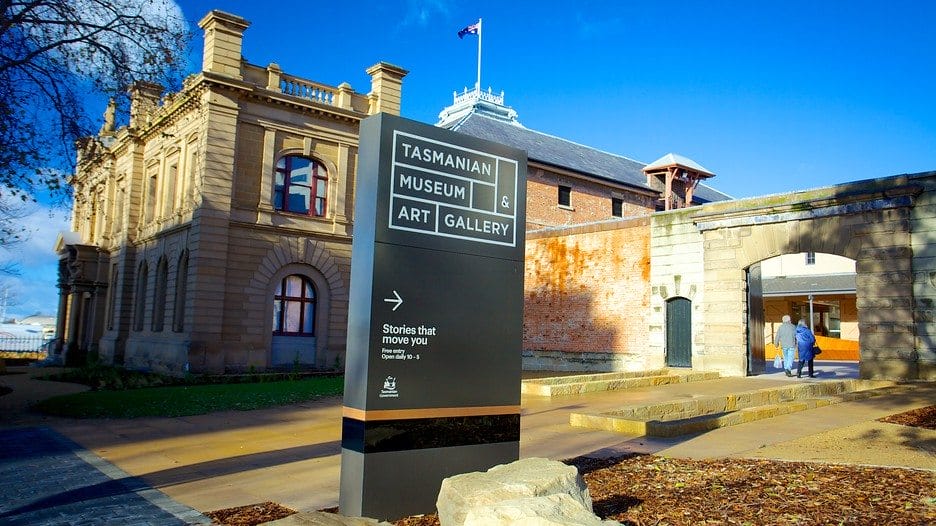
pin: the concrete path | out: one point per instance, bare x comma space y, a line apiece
290, 455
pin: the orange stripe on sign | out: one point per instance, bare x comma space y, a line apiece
433, 412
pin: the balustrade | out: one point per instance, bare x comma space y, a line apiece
297, 87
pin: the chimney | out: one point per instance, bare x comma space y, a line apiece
386, 88
224, 38
144, 97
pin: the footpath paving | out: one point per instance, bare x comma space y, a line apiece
174, 469
48, 479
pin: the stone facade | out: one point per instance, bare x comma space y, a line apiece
179, 246
882, 224
923, 275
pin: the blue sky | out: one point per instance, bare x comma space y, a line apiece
770, 96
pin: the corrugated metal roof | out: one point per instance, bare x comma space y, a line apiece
562, 153
820, 284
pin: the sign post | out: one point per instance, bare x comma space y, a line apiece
432, 379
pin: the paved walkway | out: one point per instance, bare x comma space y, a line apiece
47, 479
290, 455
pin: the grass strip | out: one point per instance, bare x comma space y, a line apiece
190, 399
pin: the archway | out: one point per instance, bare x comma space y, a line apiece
816, 287
871, 222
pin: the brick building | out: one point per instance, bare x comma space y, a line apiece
587, 292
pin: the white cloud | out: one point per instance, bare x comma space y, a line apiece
421, 12
34, 289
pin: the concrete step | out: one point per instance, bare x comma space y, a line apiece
590, 383
681, 417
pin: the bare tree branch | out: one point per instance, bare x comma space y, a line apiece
52, 52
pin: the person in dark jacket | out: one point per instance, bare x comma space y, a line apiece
805, 340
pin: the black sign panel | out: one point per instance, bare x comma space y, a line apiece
436, 313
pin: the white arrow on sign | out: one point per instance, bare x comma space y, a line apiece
398, 300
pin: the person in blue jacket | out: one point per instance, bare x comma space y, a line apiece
805, 340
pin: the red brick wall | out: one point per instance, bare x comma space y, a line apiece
591, 201
587, 288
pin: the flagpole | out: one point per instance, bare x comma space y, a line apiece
480, 30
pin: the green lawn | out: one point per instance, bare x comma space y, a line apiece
190, 399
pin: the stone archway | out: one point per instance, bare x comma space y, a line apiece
873, 222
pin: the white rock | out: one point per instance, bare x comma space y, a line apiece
320, 518
529, 477
551, 510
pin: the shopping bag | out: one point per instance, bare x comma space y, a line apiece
778, 361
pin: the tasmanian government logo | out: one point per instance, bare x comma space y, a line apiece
389, 389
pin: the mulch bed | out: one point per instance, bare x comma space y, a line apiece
923, 417
250, 515
644, 489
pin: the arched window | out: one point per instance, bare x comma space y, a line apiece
301, 186
181, 288
139, 298
159, 295
294, 307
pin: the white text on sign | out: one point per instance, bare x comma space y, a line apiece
450, 191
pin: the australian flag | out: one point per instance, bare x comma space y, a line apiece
470, 30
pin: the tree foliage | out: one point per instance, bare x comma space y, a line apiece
54, 55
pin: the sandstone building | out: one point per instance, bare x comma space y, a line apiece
214, 231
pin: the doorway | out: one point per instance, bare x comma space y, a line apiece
678, 332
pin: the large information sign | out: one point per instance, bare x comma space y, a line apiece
432, 380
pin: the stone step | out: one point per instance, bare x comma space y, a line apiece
590, 383
681, 417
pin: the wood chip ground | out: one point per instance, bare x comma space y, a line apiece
651, 490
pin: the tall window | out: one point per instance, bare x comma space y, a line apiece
152, 180
565, 195
294, 307
139, 298
810, 258
159, 295
169, 192
181, 288
188, 182
112, 298
301, 186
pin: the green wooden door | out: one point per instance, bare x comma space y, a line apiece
678, 332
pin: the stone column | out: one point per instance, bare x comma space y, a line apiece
386, 87
224, 38
61, 318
